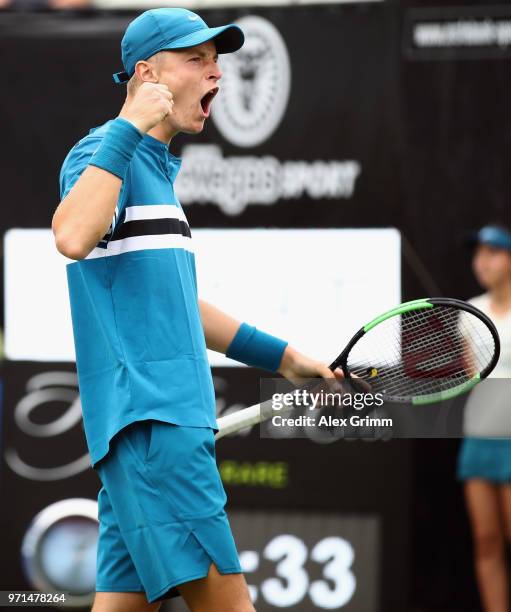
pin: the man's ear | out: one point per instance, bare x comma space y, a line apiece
146, 72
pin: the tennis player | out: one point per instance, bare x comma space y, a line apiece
484, 462
141, 332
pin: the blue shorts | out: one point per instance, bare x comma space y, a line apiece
485, 458
161, 511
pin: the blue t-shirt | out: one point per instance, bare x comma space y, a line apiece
139, 340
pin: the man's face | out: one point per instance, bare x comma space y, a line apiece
192, 76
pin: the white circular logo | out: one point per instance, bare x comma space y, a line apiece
59, 552
255, 85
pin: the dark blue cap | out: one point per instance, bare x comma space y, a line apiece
171, 28
492, 235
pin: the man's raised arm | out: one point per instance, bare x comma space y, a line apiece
86, 211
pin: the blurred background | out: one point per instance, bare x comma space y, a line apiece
353, 147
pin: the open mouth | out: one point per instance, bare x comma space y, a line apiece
206, 101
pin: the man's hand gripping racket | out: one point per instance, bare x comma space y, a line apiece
420, 352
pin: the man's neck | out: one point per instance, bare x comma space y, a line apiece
162, 132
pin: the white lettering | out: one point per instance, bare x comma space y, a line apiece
233, 183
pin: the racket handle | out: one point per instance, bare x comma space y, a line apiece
247, 417
238, 420
253, 415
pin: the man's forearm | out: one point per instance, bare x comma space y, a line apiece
83, 217
220, 330
219, 327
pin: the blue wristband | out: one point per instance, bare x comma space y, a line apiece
256, 348
117, 147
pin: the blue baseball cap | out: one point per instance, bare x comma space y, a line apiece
492, 235
171, 28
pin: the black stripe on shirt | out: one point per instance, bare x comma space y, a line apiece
151, 227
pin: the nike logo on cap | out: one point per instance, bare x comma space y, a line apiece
193, 17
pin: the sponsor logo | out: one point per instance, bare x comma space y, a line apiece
255, 85
42, 389
270, 474
461, 32
232, 183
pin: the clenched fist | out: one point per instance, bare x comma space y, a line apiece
150, 105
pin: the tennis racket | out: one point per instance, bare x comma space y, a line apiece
421, 352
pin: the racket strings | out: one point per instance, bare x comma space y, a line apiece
422, 352
456, 324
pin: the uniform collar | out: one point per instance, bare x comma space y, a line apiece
154, 143
161, 149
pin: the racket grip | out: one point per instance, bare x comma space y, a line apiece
247, 417
238, 420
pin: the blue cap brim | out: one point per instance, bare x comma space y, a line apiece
227, 38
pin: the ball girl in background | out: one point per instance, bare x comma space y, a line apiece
484, 462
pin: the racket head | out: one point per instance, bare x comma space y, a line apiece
423, 351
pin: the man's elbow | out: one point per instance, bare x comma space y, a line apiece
70, 247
